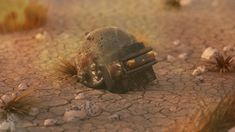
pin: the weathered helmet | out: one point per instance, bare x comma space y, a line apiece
112, 59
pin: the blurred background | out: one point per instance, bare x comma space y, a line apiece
22, 14
36, 34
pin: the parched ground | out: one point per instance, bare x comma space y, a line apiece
176, 97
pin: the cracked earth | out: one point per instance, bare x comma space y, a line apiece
175, 97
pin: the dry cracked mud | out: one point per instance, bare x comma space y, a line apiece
177, 95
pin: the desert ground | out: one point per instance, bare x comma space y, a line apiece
30, 58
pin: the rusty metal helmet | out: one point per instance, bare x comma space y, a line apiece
107, 49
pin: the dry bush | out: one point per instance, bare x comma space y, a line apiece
18, 102
76, 67
223, 117
34, 15
221, 63
219, 120
67, 68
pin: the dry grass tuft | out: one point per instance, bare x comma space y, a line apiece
69, 69
76, 66
220, 119
222, 64
35, 15
19, 103
223, 117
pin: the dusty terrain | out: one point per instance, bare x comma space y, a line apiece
176, 97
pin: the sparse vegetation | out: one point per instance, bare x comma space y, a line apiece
21, 15
222, 64
67, 68
220, 119
172, 4
223, 117
35, 15
18, 102
77, 66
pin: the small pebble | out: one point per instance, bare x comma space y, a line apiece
176, 42
170, 58
114, 117
196, 72
6, 98
183, 56
228, 48
22, 86
80, 96
40, 36
209, 53
7, 126
199, 70
50, 122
